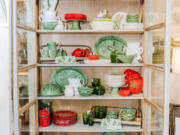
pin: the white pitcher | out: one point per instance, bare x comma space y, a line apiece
69, 91
52, 4
75, 83
134, 48
48, 16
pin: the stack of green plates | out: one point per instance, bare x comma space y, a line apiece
133, 18
128, 114
112, 115
85, 91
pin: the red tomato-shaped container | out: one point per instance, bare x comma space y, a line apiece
44, 118
136, 85
124, 91
93, 57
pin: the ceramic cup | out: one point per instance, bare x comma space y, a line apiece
52, 53
45, 52
51, 45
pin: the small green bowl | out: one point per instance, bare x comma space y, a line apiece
128, 114
85, 91
49, 25
125, 58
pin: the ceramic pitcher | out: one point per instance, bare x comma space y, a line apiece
135, 49
53, 4
48, 16
75, 83
69, 91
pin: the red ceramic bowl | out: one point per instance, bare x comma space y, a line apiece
64, 118
93, 57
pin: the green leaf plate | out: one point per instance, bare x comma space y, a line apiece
105, 45
61, 76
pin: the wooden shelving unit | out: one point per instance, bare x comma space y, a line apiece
94, 97
156, 76
90, 65
79, 127
90, 32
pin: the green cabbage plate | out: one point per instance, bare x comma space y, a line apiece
105, 45
49, 90
61, 76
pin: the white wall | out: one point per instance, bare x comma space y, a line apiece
5, 79
5, 82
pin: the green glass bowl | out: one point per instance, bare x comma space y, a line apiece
128, 114
85, 91
49, 25
125, 58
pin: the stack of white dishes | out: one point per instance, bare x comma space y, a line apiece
132, 26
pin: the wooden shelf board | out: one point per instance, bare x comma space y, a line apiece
79, 127
94, 97
91, 65
90, 32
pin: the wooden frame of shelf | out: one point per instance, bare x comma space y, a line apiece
140, 101
90, 32
79, 127
94, 97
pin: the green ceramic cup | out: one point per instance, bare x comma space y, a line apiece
49, 25
52, 53
45, 52
51, 45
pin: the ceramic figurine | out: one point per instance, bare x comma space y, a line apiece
102, 14
120, 19
60, 25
